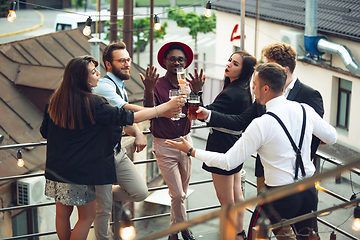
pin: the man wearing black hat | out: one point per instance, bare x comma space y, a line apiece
174, 165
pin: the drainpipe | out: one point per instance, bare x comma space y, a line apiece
318, 45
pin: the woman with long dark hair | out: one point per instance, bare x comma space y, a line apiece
233, 99
78, 126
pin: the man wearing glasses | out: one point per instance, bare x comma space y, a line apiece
174, 165
131, 185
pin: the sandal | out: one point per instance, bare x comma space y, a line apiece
243, 234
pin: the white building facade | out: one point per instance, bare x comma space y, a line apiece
339, 88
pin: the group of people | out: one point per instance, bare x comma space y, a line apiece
83, 122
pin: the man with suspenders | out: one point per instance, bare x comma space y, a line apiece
283, 162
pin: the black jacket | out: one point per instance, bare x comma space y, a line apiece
84, 156
300, 93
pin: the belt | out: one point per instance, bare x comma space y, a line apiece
225, 130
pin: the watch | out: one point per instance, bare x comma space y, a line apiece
199, 93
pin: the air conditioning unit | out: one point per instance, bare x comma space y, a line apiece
295, 39
30, 190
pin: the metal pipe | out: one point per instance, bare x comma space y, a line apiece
98, 26
346, 234
114, 5
151, 32
127, 30
311, 9
261, 198
242, 30
313, 214
324, 45
257, 14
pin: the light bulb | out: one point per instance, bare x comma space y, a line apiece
208, 9
20, 162
262, 229
207, 13
356, 224
87, 28
127, 229
128, 233
312, 235
157, 25
11, 17
87, 31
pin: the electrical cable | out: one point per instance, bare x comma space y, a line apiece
134, 15
352, 186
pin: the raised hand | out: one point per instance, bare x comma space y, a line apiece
151, 77
197, 81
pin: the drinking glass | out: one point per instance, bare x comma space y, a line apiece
184, 88
174, 93
193, 106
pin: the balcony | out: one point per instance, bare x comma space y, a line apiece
206, 219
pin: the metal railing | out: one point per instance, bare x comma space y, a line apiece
223, 212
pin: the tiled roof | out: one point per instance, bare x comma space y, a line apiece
340, 18
30, 71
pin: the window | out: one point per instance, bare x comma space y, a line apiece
344, 103
26, 222
62, 26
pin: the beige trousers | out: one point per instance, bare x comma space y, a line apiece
131, 186
175, 167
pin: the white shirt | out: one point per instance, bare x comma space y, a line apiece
266, 136
289, 87
106, 88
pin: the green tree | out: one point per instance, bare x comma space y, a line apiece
192, 21
141, 32
4, 8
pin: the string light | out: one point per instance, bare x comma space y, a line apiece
312, 235
262, 229
20, 161
208, 9
356, 222
157, 25
127, 229
87, 28
11, 17
333, 236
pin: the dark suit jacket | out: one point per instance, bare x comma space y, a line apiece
235, 99
84, 155
300, 93
304, 94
